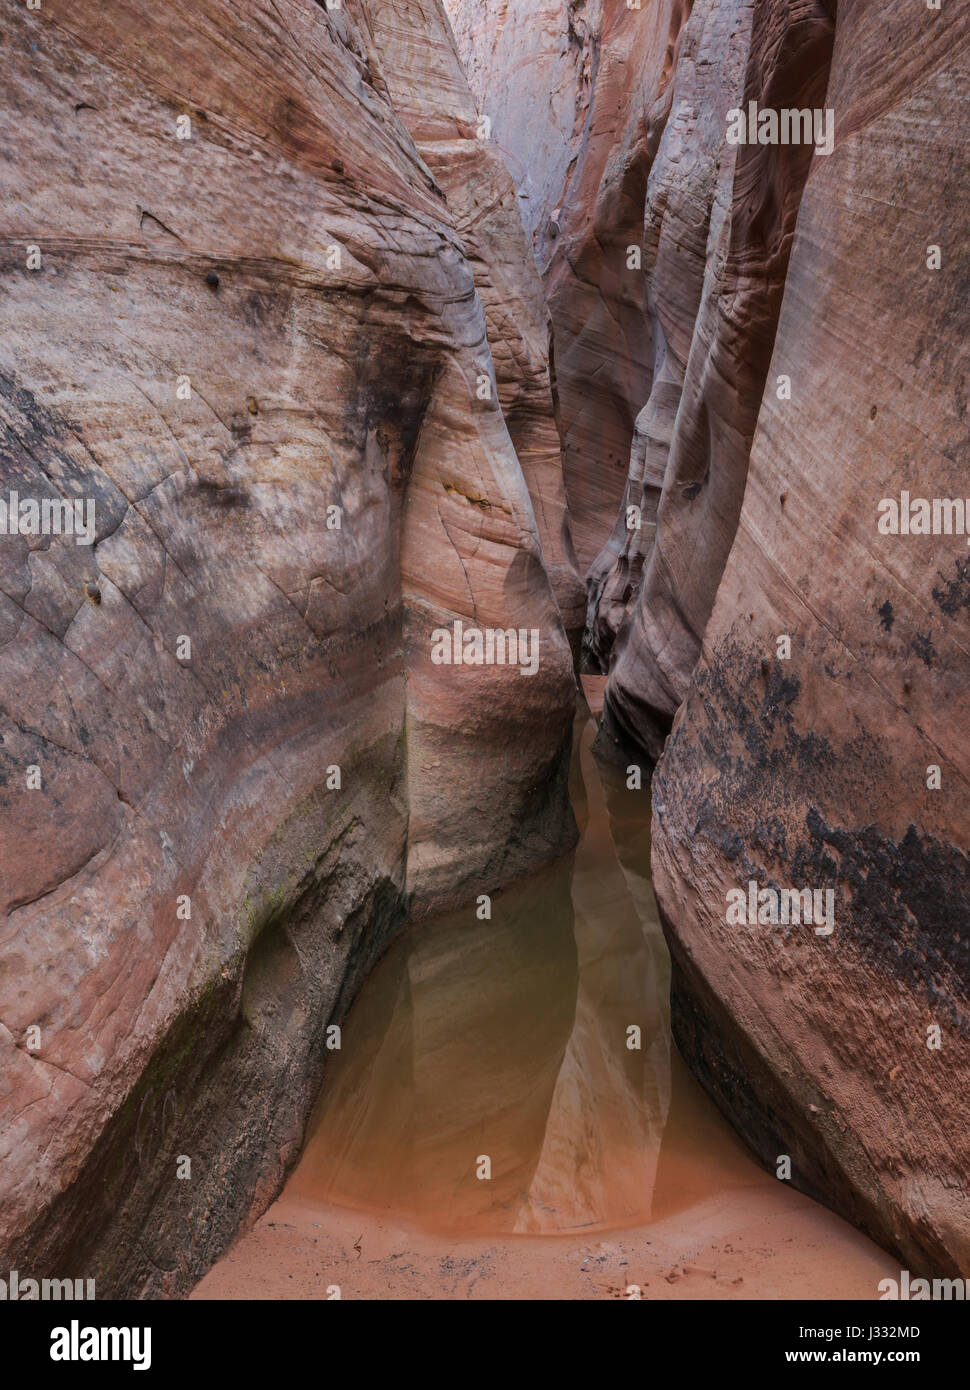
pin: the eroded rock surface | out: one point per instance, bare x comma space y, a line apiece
531, 67
763, 265
817, 771
569, 86
718, 228
234, 341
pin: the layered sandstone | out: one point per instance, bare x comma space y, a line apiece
532, 68
817, 771
797, 360
258, 349
569, 86
717, 234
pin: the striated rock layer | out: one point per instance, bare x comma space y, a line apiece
532, 67
568, 85
274, 257
797, 360
719, 222
664, 262
816, 771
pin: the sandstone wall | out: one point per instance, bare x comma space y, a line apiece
229, 335
718, 228
532, 68
570, 87
794, 362
814, 771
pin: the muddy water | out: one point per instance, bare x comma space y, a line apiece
533, 1046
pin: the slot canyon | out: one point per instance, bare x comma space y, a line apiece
484, 608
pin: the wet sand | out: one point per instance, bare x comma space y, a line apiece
750, 1242
539, 1041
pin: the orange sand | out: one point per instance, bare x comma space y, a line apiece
724, 1229
610, 1168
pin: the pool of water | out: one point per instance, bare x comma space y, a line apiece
537, 1040
509, 1040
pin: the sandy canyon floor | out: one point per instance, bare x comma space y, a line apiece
612, 1173
738, 1234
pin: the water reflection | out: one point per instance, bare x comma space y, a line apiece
509, 1039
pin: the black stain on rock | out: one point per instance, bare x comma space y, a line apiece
222, 494
922, 645
900, 901
953, 594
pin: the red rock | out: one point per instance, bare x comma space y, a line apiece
763, 262
566, 83
815, 771
312, 385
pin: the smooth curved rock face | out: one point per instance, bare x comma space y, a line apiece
426, 85
719, 222
531, 67
569, 87
765, 269
664, 278
465, 726
233, 342
816, 771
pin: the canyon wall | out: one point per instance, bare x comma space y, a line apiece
533, 67
717, 235
569, 88
800, 357
845, 766
255, 259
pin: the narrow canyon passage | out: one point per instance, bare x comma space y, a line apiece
538, 1041
506, 1040
413, 419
